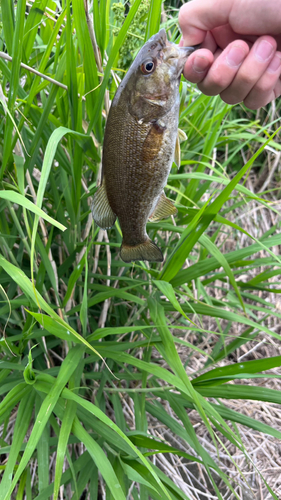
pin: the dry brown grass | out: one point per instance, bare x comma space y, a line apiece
263, 451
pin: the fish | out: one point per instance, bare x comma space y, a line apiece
140, 143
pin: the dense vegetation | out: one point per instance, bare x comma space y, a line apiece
90, 345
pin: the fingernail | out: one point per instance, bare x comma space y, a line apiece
200, 64
274, 64
236, 56
263, 50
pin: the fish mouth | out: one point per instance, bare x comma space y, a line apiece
176, 56
186, 51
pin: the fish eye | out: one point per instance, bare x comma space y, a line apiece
147, 67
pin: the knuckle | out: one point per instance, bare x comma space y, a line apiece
219, 81
230, 101
247, 80
214, 84
207, 90
257, 100
277, 90
264, 86
230, 98
253, 104
182, 14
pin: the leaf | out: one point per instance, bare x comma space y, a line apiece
159, 446
233, 258
67, 368
183, 248
14, 197
31, 26
209, 245
100, 459
154, 16
21, 426
66, 425
15, 72
47, 164
168, 291
255, 366
113, 54
229, 391
94, 410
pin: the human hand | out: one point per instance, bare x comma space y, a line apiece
240, 58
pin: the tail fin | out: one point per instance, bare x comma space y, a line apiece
144, 251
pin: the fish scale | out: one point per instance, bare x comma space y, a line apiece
139, 144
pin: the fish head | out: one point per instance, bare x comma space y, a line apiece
152, 82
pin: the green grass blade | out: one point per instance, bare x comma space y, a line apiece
255, 366
15, 74
13, 397
87, 52
211, 247
174, 264
94, 410
8, 20
14, 197
154, 16
206, 266
113, 54
229, 391
100, 459
66, 425
67, 368
21, 426
42, 451
31, 26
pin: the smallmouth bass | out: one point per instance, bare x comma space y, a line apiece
139, 145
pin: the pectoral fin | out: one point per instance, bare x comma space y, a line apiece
163, 209
177, 156
101, 210
182, 135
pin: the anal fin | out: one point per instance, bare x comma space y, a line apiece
102, 212
163, 209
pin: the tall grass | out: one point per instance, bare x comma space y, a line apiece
85, 336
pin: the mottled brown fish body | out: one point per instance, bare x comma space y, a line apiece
144, 157
139, 145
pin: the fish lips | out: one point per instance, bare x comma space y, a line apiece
184, 53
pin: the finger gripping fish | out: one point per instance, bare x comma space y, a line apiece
139, 145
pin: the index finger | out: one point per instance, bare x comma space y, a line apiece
199, 16
246, 17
